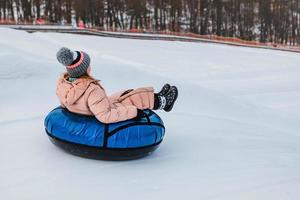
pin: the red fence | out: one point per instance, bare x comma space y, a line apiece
230, 40
213, 38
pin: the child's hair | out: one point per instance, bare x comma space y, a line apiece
89, 77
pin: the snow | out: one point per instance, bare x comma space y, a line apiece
28, 26
234, 133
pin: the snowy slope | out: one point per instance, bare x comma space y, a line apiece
234, 133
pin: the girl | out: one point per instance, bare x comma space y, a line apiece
79, 92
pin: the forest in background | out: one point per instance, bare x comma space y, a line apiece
274, 21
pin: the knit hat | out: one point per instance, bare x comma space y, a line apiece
76, 62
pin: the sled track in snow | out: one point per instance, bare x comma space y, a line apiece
143, 36
14, 121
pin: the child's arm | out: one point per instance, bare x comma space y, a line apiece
105, 111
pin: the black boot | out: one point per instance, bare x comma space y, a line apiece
171, 97
157, 100
167, 100
164, 90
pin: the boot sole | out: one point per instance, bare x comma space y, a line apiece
170, 108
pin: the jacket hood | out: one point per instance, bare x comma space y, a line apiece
69, 92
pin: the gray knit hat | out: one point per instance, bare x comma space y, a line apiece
76, 62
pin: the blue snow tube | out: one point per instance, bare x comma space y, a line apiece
87, 137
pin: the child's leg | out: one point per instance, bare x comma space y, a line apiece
142, 98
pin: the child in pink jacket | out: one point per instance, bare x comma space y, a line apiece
80, 93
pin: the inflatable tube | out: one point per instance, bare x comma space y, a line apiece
87, 137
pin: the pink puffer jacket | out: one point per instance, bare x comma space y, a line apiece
86, 96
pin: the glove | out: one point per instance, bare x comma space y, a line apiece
140, 115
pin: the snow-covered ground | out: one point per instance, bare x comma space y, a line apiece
234, 133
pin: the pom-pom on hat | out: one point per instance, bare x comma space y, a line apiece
76, 62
